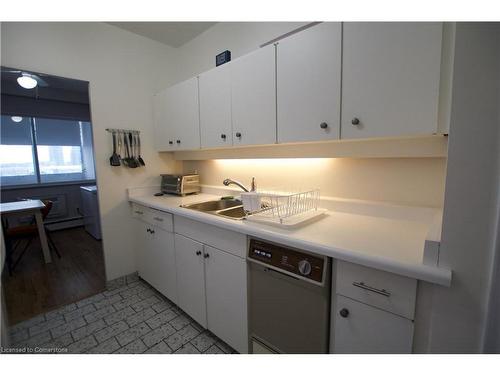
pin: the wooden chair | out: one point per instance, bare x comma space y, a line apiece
15, 235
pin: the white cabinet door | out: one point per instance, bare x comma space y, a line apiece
253, 92
144, 251
390, 79
164, 133
177, 117
226, 282
164, 268
366, 329
191, 278
215, 107
308, 84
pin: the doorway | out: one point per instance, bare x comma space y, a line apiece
47, 154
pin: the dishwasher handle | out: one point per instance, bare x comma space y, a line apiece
267, 269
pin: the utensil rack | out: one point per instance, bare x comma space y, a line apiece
126, 148
111, 130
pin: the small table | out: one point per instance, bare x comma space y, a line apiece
30, 206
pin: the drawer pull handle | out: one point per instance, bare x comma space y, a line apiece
139, 212
362, 285
158, 218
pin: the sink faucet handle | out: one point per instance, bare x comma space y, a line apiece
254, 185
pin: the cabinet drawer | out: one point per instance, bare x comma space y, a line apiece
381, 289
365, 329
161, 219
226, 240
140, 212
154, 217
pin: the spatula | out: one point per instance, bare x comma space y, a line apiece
114, 160
130, 160
139, 150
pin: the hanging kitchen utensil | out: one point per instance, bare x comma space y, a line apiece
133, 142
114, 160
125, 149
119, 145
139, 150
130, 160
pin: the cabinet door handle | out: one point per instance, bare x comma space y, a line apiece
223, 136
198, 253
151, 231
238, 135
323, 125
355, 121
344, 313
362, 285
178, 141
139, 212
206, 255
170, 142
158, 218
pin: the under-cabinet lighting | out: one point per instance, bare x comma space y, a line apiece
274, 162
16, 118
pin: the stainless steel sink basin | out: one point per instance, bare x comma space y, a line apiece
230, 208
233, 213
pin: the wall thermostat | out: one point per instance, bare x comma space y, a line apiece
223, 58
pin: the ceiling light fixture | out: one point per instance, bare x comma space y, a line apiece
27, 81
16, 118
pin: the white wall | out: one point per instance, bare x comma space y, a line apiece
124, 70
471, 199
240, 38
492, 328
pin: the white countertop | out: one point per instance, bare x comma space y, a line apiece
390, 244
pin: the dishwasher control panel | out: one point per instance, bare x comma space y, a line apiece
283, 258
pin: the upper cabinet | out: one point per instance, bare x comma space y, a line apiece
390, 79
308, 84
177, 123
215, 107
330, 81
253, 93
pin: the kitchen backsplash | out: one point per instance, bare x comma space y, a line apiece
413, 181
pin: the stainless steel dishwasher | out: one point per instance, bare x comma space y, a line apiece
289, 299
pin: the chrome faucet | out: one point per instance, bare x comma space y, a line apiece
228, 182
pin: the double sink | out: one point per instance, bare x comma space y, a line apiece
228, 208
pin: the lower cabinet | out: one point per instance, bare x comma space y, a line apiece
211, 288
155, 256
359, 328
372, 311
191, 278
226, 285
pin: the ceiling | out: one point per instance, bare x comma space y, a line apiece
173, 34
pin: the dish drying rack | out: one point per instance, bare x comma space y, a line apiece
282, 208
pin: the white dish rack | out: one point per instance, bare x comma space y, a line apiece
282, 208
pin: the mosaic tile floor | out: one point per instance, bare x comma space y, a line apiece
129, 317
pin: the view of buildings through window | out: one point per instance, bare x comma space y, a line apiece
36, 150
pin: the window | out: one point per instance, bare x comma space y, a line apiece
39, 150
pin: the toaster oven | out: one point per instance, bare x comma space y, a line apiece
180, 184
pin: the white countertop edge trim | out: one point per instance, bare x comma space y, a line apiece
422, 272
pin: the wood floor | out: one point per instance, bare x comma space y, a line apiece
36, 287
